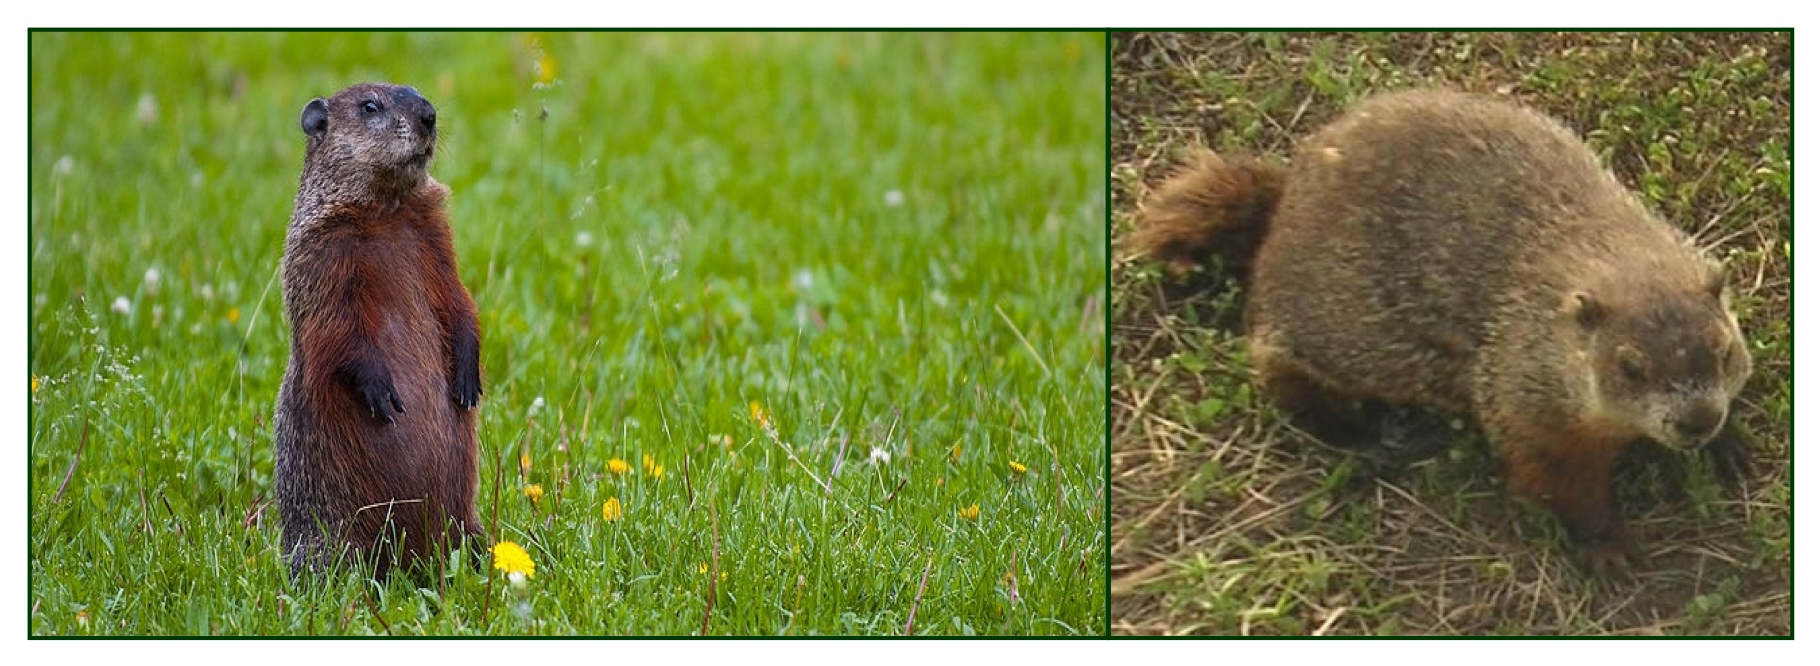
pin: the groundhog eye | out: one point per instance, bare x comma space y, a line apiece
1632, 369
369, 106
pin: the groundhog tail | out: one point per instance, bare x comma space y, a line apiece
1211, 206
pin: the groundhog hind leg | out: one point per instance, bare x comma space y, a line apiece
1311, 403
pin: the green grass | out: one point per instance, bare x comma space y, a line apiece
895, 244
1226, 520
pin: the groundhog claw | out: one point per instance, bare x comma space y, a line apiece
1613, 556
378, 398
466, 386
467, 391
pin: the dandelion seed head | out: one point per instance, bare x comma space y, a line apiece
64, 166
880, 456
152, 278
122, 306
894, 198
146, 112
583, 239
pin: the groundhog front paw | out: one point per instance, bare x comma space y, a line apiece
380, 398
1730, 455
1613, 556
467, 387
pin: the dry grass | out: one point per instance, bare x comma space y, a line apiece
1227, 520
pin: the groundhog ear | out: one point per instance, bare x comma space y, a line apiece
1585, 309
315, 117
1715, 280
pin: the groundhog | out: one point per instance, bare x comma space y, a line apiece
1464, 254
376, 450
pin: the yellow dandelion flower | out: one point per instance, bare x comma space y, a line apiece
618, 466
938, 482
534, 491
972, 512
649, 463
954, 454
512, 559
657, 472
760, 415
524, 464
82, 616
612, 511
233, 315
34, 383
701, 568
1018, 467
546, 68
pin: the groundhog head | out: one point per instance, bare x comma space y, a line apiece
387, 133
1666, 363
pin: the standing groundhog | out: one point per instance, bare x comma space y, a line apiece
1461, 253
376, 447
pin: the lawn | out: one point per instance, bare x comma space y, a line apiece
1226, 520
835, 301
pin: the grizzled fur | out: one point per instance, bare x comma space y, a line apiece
1462, 253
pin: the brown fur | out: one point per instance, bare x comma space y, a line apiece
1210, 207
376, 456
1461, 253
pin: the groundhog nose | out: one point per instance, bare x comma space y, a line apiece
410, 98
1699, 422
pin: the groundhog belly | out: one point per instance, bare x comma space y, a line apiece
424, 461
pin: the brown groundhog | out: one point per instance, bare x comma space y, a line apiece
1461, 253
376, 456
